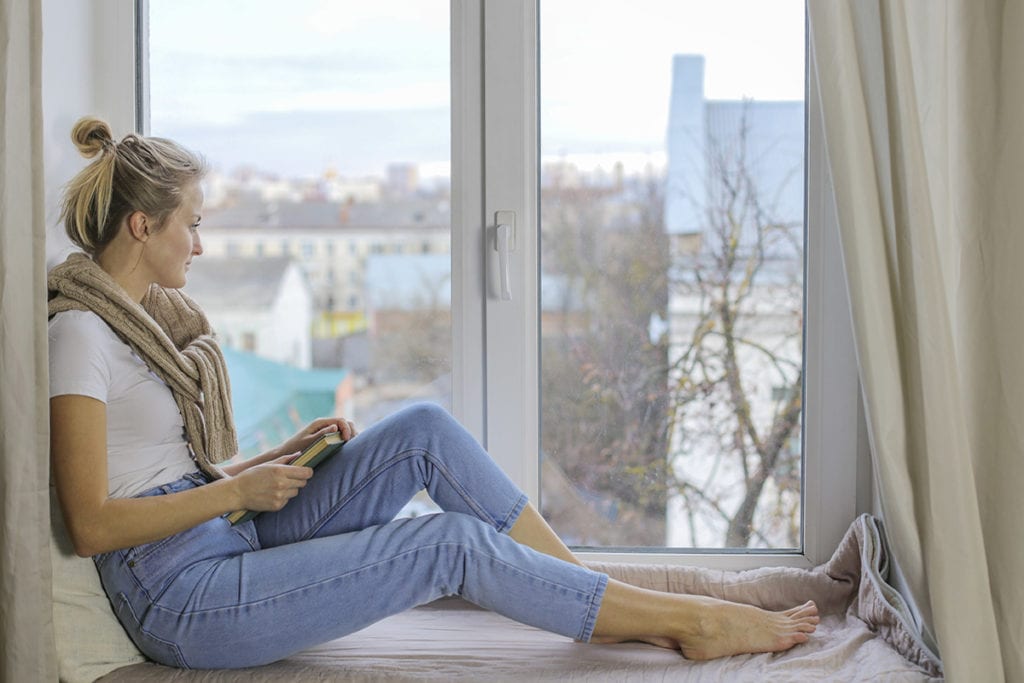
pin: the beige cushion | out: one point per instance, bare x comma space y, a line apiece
90, 640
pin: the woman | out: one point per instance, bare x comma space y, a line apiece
140, 418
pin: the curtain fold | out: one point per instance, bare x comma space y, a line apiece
923, 107
26, 622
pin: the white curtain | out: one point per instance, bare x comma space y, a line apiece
923, 105
26, 627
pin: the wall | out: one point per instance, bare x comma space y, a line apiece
286, 333
88, 68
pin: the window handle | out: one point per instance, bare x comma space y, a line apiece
505, 244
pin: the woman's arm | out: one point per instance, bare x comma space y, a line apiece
98, 523
293, 446
236, 468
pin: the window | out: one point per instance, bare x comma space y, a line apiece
500, 350
326, 125
671, 273
600, 73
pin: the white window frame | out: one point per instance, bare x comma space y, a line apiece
836, 470
494, 86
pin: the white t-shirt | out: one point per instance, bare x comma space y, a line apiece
146, 443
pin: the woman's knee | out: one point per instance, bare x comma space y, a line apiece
457, 527
429, 416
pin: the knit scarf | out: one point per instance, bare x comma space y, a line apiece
172, 335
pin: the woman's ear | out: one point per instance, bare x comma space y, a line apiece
138, 225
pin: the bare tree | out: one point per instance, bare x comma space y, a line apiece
412, 341
707, 414
604, 400
737, 373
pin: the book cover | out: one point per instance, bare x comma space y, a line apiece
314, 454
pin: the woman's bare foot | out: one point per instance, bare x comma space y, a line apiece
660, 641
721, 628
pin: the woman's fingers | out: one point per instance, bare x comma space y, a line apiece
271, 485
295, 473
325, 425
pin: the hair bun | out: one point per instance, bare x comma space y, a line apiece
91, 135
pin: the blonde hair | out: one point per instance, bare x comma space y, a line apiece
138, 173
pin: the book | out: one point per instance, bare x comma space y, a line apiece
314, 454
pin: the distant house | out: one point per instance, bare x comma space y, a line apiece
405, 282
264, 307
331, 240
272, 401
408, 313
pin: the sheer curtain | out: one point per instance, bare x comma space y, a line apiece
924, 120
26, 628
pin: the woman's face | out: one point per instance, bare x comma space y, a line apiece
169, 251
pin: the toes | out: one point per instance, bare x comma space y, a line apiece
805, 610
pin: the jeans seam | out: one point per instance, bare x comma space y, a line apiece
143, 631
479, 510
364, 482
295, 589
514, 512
453, 481
126, 569
587, 630
542, 579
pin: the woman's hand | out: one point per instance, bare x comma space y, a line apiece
315, 429
296, 444
267, 487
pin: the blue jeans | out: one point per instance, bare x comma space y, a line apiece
334, 560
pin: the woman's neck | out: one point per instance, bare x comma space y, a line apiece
122, 265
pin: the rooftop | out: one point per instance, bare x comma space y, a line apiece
236, 283
251, 214
271, 401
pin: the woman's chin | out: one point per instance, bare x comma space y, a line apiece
174, 283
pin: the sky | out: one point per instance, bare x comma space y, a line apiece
307, 85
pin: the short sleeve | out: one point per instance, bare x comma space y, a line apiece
79, 342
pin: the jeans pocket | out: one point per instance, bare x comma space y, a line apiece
247, 530
154, 565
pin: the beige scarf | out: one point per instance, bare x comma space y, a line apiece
172, 335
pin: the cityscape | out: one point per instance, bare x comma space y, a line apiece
333, 296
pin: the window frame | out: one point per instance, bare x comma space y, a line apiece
496, 343
836, 472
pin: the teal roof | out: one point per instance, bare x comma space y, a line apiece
271, 401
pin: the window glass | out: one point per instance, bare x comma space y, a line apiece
672, 238
326, 125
